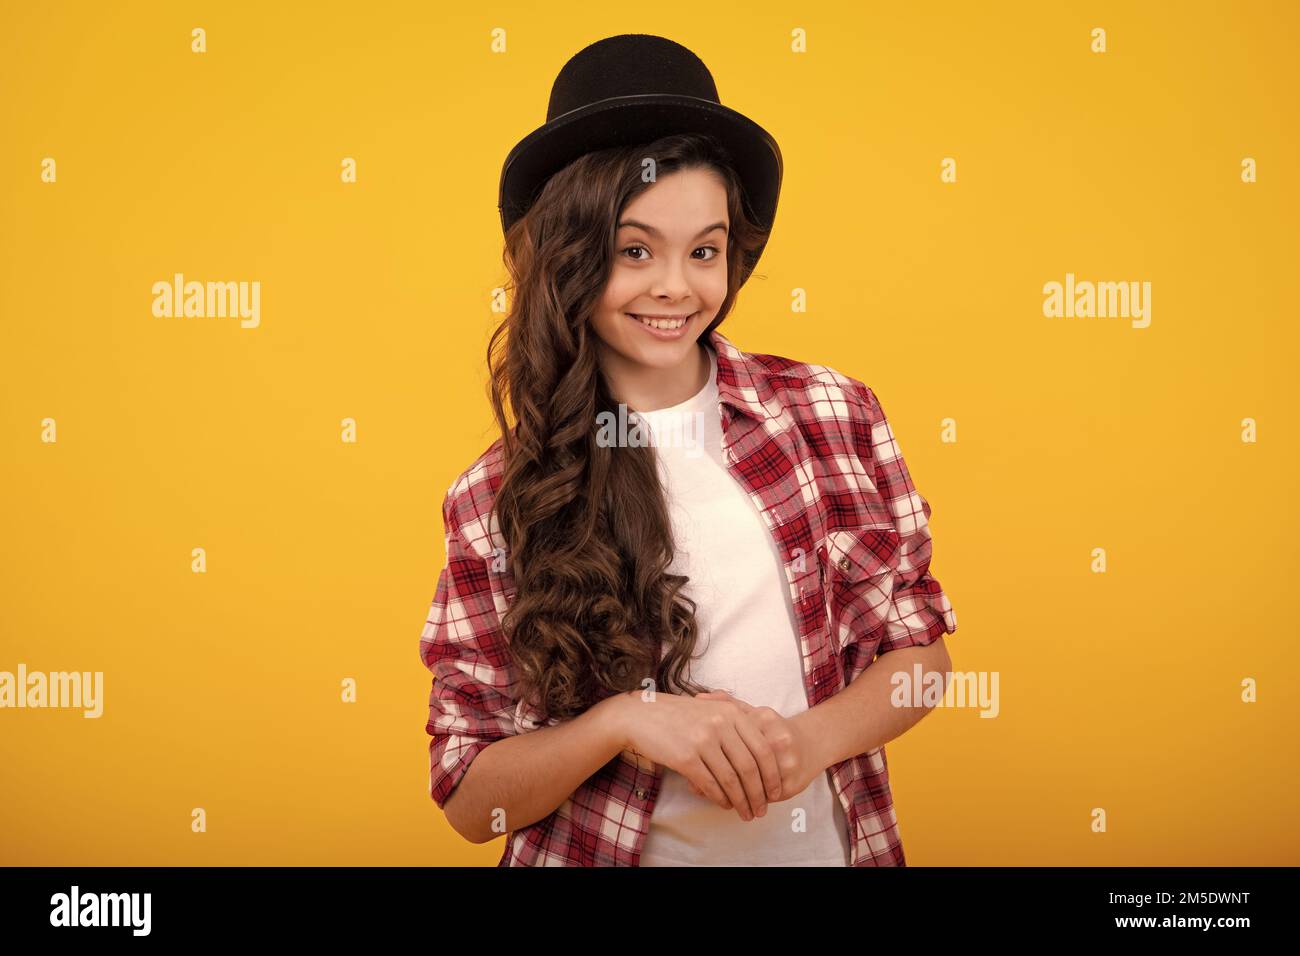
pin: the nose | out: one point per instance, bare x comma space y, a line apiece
670, 283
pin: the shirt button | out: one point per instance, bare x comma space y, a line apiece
640, 793
844, 564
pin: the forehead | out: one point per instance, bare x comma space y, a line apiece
680, 204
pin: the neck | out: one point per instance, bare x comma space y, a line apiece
646, 389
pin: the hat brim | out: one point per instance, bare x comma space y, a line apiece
628, 120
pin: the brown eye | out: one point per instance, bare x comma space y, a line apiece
712, 249
642, 248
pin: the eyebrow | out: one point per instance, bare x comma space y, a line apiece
626, 223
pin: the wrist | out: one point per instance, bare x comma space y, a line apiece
613, 715
816, 740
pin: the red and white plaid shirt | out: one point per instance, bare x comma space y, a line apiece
815, 452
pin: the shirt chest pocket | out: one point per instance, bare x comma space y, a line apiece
860, 566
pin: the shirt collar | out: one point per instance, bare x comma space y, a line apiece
739, 375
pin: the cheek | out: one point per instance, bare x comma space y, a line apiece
618, 292
713, 288
623, 282
608, 320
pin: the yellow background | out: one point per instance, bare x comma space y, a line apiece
222, 690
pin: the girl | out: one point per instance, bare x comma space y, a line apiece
666, 580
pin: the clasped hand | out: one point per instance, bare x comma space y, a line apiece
737, 755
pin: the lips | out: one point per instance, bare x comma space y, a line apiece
661, 322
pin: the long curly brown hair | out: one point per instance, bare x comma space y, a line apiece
586, 526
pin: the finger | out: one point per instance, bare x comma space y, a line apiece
746, 764
705, 784
725, 773
768, 766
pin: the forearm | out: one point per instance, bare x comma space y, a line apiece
528, 775
862, 716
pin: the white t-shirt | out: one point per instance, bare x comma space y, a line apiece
748, 646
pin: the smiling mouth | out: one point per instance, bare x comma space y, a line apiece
660, 322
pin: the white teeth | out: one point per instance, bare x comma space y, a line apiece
666, 324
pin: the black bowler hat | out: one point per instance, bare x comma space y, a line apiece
630, 89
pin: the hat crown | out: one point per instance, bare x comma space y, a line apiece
630, 64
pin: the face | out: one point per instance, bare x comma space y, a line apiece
670, 260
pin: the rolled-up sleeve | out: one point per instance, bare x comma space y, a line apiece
463, 645
919, 612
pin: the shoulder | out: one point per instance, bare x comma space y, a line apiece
467, 508
813, 392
